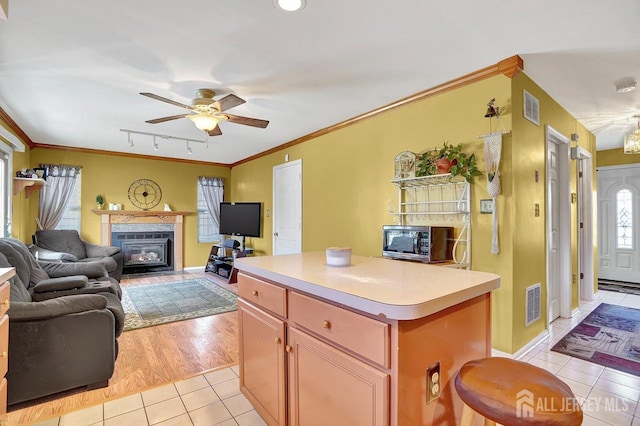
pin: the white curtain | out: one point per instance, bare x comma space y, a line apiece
54, 196
213, 191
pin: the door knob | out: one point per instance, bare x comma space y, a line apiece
275, 234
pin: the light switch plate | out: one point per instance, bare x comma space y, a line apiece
486, 206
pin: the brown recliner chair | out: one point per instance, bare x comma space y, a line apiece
67, 340
65, 245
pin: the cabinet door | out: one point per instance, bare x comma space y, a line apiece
329, 387
262, 362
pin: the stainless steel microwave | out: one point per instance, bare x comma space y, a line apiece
429, 244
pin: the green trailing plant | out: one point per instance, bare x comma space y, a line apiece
425, 164
99, 199
462, 164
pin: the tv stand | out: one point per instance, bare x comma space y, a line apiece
223, 265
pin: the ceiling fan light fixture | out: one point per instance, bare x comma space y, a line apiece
632, 140
290, 5
204, 122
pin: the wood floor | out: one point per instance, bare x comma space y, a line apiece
150, 357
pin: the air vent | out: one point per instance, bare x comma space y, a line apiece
531, 108
533, 303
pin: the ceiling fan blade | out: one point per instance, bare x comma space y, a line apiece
215, 132
254, 122
160, 98
163, 119
230, 101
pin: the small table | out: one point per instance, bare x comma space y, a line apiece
223, 265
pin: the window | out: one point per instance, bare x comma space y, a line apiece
71, 216
208, 227
624, 219
6, 190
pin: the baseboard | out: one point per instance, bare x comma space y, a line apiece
575, 312
495, 352
532, 344
194, 269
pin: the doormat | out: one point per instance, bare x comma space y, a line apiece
152, 304
619, 286
609, 336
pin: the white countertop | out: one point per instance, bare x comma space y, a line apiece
394, 289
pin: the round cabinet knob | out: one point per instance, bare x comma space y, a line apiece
5, 303
288, 348
254, 292
4, 355
277, 340
326, 324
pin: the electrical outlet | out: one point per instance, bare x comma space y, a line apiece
433, 382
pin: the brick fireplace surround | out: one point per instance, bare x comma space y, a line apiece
110, 217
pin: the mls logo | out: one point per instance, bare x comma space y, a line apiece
524, 404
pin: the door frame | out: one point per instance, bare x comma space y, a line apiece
584, 182
552, 136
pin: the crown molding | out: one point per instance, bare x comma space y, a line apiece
509, 67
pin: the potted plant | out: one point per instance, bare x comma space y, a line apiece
426, 163
448, 159
99, 201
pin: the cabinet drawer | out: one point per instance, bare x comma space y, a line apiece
263, 294
5, 291
362, 335
4, 344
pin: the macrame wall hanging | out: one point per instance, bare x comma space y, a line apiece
492, 152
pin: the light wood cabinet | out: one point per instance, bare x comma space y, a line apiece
309, 361
329, 387
5, 291
262, 360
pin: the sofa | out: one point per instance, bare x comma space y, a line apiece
62, 331
65, 245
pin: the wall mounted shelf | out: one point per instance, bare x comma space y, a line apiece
28, 184
437, 200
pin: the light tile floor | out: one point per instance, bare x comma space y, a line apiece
206, 400
608, 396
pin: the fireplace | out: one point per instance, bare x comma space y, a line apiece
112, 221
145, 251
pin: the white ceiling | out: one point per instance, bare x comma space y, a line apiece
71, 71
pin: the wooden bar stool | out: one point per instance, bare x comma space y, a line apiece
511, 392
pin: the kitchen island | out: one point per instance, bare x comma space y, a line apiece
360, 344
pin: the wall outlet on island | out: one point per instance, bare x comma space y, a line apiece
433, 381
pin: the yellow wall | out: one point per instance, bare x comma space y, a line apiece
111, 175
346, 187
529, 232
346, 174
616, 157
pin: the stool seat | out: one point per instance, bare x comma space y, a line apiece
512, 392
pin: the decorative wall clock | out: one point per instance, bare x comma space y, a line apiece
145, 194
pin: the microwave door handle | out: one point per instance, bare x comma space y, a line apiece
415, 243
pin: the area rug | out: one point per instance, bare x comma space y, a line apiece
609, 336
152, 304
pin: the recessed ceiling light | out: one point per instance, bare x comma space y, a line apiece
626, 85
290, 5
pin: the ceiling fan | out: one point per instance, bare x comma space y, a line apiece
206, 112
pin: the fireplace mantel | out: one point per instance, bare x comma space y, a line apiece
109, 217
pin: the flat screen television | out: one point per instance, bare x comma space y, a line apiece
240, 219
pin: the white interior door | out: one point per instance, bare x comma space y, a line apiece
287, 208
585, 222
558, 226
618, 233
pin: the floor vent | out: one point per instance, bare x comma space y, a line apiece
533, 303
531, 108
